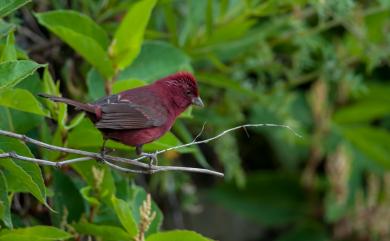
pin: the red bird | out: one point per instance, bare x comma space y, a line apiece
138, 116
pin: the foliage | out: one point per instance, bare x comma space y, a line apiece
318, 66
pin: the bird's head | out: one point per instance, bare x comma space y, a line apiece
183, 89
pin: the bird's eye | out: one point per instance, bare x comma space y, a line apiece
188, 92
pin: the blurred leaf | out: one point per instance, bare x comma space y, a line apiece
85, 193
75, 121
177, 235
66, 196
219, 80
128, 38
95, 83
106, 232
374, 143
22, 176
124, 214
21, 99
363, 111
227, 150
5, 207
308, 231
8, 6
82, 34
18, 121
9, 51
271, 198
123, 85
34, 233
185, 135
156, 60
5, 28
12, 72
193, 18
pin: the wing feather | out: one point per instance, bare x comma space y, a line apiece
119, 115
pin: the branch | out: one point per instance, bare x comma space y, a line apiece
111, 160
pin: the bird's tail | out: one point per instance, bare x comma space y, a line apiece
78, 105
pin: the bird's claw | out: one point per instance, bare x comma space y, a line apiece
104, 151
152, 157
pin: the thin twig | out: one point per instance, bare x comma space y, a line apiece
107, 159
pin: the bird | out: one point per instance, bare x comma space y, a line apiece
141, 115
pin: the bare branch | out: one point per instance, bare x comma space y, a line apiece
111, 160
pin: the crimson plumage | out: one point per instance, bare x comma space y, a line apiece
141, 115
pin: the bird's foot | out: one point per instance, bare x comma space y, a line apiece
152, 157
104, 151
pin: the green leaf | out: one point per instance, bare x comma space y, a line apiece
128, 38
8, 6
5, 28
9, 51
85, 193
270, 198
156, 60
123, 85
12, 72
374, 143
82, 34
66, 196
22, 176
308, 231
124, 214
196, 13
95, 83
35, 233
106, 232
177, 235
363, 111
5, 208
21, 99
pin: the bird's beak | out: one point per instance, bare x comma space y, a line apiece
197, 101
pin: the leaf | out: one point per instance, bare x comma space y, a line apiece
35, 233
156, 60
5, 28
196, 10
9, 51
5, 208
128, 38
307, 231
21, 99
95, 83
363, 111
106, 232
85, 193
374, 143
12, 72
82, 34
270, 198
22, 176
66, 196
124, 214
123, 85
8, 6
177, 235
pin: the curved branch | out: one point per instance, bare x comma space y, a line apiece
107, 159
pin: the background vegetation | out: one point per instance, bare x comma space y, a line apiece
319, 66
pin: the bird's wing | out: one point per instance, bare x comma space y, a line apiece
122, 114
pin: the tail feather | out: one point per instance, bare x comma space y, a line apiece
78, 105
